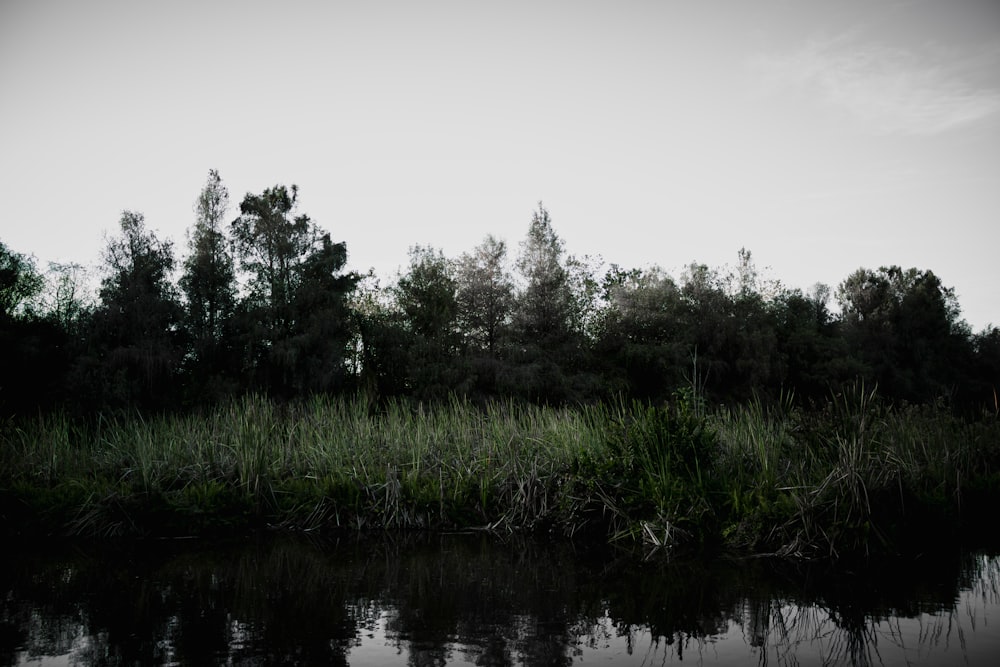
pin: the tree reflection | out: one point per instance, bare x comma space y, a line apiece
443, 599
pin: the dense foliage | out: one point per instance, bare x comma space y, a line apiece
257, 381
857, 477
263, 303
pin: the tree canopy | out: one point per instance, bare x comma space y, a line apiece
263, 302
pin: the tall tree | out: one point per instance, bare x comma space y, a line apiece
584, 281
21, 346
904, 325
706, 328
68, 305
209, 283
484, 295
321, 330
754, 344
270, 242
379, 352
426, 295
137, 320
20, 281
812, 358
545, 306
544, 314
68, 298
729, 331
640, 332
984, 392
295, 320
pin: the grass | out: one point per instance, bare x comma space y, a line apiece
850, 477
858, 475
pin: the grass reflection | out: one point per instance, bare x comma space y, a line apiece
470, 599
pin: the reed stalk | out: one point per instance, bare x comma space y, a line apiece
853, 476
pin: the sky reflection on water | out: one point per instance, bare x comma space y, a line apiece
472, 600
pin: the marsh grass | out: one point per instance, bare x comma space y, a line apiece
853, 476
857, 476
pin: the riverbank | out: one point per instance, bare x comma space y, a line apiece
851, 477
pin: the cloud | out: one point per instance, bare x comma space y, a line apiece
891, 90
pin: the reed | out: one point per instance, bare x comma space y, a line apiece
856, 476
852, 476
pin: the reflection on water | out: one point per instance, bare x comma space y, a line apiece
469, 599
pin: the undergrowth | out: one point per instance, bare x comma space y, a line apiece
853, 476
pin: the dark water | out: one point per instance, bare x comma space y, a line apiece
460, 599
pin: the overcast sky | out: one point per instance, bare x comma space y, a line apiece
822, 136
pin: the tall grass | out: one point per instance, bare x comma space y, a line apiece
857, 476
853, 476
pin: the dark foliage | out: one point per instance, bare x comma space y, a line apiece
264, 304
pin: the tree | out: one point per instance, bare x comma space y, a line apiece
984, 394
136, 324
23, 338
812, 357
544, 315
544, 310
904, 327
379, 351
484, 295
484, 299
753, 344
640, 331
20, 282
729, 331
427, 297
209, 284
59, 336
585, 287
321, 330
270, 242
426, 293
706, 328
68, 297
746, 281
294, 316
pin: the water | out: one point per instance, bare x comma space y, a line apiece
469, 599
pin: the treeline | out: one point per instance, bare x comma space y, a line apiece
262, 303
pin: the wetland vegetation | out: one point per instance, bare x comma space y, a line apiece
266, 386
857, 477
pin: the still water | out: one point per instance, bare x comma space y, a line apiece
475, 600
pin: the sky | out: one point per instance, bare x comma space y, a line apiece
822, 136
